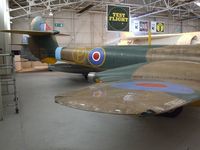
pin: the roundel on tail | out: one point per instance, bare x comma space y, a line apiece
97, 56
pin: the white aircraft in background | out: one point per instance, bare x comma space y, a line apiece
128, 38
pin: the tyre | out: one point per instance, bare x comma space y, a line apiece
85, 75
17, 111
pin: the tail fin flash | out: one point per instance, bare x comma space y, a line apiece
39, 24
38, 28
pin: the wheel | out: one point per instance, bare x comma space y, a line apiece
173, 113
85, 75
49, 69
16, 110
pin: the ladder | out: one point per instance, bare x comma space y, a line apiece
8, 82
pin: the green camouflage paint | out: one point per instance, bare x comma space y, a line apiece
118, 56
43, 46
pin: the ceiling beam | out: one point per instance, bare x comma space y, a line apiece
160, 11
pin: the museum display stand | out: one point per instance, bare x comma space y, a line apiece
8, 82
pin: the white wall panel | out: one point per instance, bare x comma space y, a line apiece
82, 24
98, 29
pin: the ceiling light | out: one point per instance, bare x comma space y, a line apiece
50, 13
197, 3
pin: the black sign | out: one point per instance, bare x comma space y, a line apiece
118, 18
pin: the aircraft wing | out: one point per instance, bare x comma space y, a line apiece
152, 88
29, 32
38, 33
22, 44
153, 36
63, 34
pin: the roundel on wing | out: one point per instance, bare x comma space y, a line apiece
154, 86
96, 56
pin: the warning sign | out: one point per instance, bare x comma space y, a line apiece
160, 27
157, 27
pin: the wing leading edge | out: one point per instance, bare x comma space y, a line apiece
29, 32
112, 98
148, 91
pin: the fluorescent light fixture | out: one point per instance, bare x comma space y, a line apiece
50, 13
197, 3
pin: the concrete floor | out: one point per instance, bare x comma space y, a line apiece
45, 125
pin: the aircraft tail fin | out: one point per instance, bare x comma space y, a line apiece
38, 28
41, 42
39, 24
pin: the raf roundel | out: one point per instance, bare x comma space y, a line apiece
154, 86
96, 56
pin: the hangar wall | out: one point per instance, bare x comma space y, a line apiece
89, 29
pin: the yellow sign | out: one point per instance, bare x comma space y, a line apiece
160, 27
118, 17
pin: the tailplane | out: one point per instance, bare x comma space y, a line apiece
41, 42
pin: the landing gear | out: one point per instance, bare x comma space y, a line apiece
173, 113
49, 67
85, 75
17, 110
16, 105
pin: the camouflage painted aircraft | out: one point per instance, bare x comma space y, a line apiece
139, 80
